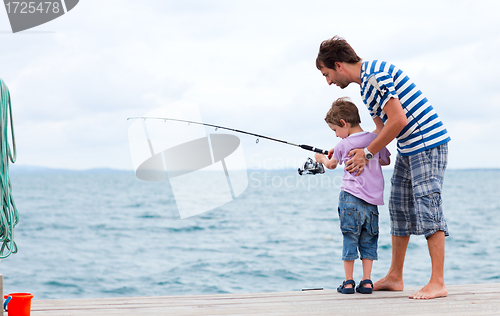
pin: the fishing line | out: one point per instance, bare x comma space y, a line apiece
9, 217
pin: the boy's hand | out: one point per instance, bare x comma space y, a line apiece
329, 163
330, 153
319, 157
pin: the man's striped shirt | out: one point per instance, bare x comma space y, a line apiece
381, 81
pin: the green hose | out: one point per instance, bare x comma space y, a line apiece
9, 217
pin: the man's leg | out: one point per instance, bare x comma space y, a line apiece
393, 281
429, 166
400, 209
435, 287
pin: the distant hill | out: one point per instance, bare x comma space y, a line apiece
13, 168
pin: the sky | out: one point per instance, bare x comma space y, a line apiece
249, 65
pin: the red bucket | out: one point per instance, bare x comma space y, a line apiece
20, 304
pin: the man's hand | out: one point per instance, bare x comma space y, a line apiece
357, 161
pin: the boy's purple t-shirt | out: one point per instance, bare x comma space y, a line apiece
369, 185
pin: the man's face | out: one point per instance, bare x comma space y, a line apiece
336, 77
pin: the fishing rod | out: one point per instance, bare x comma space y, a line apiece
309, 167
306, 147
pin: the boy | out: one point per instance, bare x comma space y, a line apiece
359, 195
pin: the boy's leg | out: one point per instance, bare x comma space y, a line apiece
349, 254
368, 241
435, 287
349, 218
348, 269
393, 281
367, 270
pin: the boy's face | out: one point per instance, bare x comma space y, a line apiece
341, 132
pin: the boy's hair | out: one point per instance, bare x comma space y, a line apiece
335, 50
343, 109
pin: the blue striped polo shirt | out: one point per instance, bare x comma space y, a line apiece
381, 81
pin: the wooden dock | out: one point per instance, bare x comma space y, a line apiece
477, 299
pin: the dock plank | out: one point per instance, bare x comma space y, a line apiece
477, 299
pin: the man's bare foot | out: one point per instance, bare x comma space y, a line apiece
389, 284
431, 290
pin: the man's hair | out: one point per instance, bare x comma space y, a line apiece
343, 109
335, 49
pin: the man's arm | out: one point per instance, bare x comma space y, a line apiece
379, 125
396, 121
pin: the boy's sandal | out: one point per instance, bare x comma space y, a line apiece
342, 289
365, 290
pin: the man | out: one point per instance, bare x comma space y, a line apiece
399, 111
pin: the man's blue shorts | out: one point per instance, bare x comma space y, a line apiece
415, 205
359, 225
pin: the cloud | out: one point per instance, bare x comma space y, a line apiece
249, 64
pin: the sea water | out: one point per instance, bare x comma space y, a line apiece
106, 233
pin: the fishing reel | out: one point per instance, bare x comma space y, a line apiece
311, 167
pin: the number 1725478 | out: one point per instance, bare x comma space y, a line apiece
33, 7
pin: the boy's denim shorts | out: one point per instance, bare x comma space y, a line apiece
415, 205
359, 225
